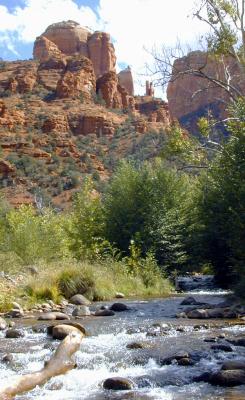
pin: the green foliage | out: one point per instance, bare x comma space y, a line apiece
146, 205
87, 223
33, 236
222, 205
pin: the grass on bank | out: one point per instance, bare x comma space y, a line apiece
97, 281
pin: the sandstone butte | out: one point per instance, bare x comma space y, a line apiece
190, 97
66, 113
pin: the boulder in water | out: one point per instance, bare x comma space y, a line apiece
104, 313
118, 307
81, 311
14, 334
61, 331
226, 378
198, 314
118, 383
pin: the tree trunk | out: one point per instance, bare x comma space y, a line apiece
59, 364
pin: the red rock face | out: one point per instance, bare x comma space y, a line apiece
125, 80
69, 39
102, 53
78, 79
6, 168
44, 49
190, 94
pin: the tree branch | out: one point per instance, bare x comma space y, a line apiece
59, 364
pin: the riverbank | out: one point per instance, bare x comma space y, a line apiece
100, 280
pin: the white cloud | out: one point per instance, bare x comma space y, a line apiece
133, 24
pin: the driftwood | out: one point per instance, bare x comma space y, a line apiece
59, 364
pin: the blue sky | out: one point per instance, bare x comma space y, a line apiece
136, 26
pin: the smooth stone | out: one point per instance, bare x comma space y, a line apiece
238, 342
104, 313
47, 317
118, 307
233, 364
61, 316
222, 347
118, 383
137, 345
14, 334
67, 323
81, 311
185, 362
119, 295
79, 300
198, 314
226, 378
16, 306
61, 331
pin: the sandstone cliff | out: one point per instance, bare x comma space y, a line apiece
191, 96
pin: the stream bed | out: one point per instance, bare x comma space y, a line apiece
104, 353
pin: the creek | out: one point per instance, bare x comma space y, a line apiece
104, 353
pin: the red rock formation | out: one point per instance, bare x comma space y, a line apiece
77, 80
190, 94
24, 79
149, 89
156, 110
106, 86
44, 49
102, 53
56, 123
68, 38
125, 80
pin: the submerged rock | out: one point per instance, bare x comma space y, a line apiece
14, 334
226, 378
118, 383
118, 307
104, 313
81, 311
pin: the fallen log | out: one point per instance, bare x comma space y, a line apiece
60, 363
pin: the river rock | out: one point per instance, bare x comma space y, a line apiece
81, 311
227, 378
137, 345
197, 314
104, 313
119, 295
7, 358
233, 364
237, 342
61, 316
118, 383
14, 334
16, 306
119, 307
3, 324
222, 347
79, 300
189, 301
175, 357
61, 331
16, 313
47, 317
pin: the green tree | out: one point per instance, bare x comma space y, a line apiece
222, 205
146, 204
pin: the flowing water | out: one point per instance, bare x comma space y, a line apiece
104, 354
